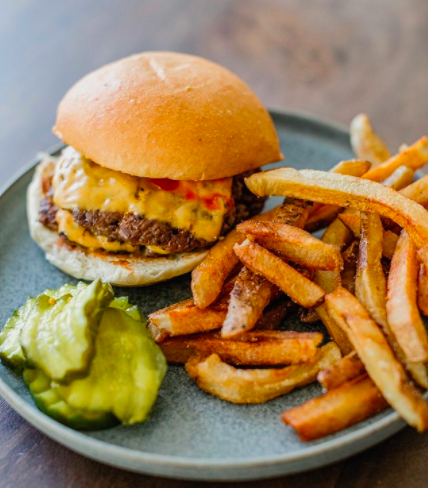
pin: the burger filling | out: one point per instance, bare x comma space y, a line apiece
99, 208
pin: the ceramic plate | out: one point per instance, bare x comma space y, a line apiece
189, 434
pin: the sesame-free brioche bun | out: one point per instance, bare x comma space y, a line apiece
167, 115
118, 269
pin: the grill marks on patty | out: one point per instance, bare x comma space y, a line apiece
140, 231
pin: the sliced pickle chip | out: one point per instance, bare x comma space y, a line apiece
126, 371
64, 290
10, 346
45, 396
58, 335
122, 303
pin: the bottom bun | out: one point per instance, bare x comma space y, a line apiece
118, 269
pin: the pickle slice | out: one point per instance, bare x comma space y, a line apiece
122, 303
10, 346
64, 290
126, 371
45, 396
58, 335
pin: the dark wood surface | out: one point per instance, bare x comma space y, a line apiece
332, 58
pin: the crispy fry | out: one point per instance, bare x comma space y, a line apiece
308, 315
250, 295
415, 156
296, 244
366, 143
343, 370
350, 255
209, 276
255, 385
255, 348
400, 178
274, 314
417, 191
363, 195
403, 314
378, 358
370, 282
336, 410
338, 236
299, 288
353, 223
322, 217
423, 289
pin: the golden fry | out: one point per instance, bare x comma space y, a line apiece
255, 385
403, 314
296, 244
347, 191
345, 369
260, 261
336, 410
423, 289
378, 358
366, 143
255, 348
415, 156
400, 178
417, 191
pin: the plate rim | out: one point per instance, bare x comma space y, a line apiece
121, 456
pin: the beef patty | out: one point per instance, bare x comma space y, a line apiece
138, 231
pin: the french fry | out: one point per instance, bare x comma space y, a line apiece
400, 178
370, 282
403, 314
251, 292
274, 314
249, 297
338, 236
338, 409
423, 289
417, 191
308, 315
377, 356
343, 370
322, 217
255, 348
348, 274
260, 261
366, 143
296, 244
185, 318
255, 385
209, 276
415, 156
352, 167
347, 191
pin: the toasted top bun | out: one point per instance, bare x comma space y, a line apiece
167, 115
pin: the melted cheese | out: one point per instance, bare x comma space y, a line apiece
77, 234
196, 206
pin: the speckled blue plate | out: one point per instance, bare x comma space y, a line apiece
189, 434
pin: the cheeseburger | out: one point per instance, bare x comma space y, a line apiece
152, 175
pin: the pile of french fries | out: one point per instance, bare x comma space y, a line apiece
366, 279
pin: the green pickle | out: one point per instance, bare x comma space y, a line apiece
122, 303
125, 374
10, 347
46, 397
59, 333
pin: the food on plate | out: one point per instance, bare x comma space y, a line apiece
159, 144
336, 410
254, 348
403, 314
378, 358
400, 178
87, 357
347, 276
414, 156
295, 244
341, 371
346, 191
252, 292
255, 385
417, 191
294, 284
365, 142
422, 290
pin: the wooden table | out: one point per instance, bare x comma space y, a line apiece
332, 58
